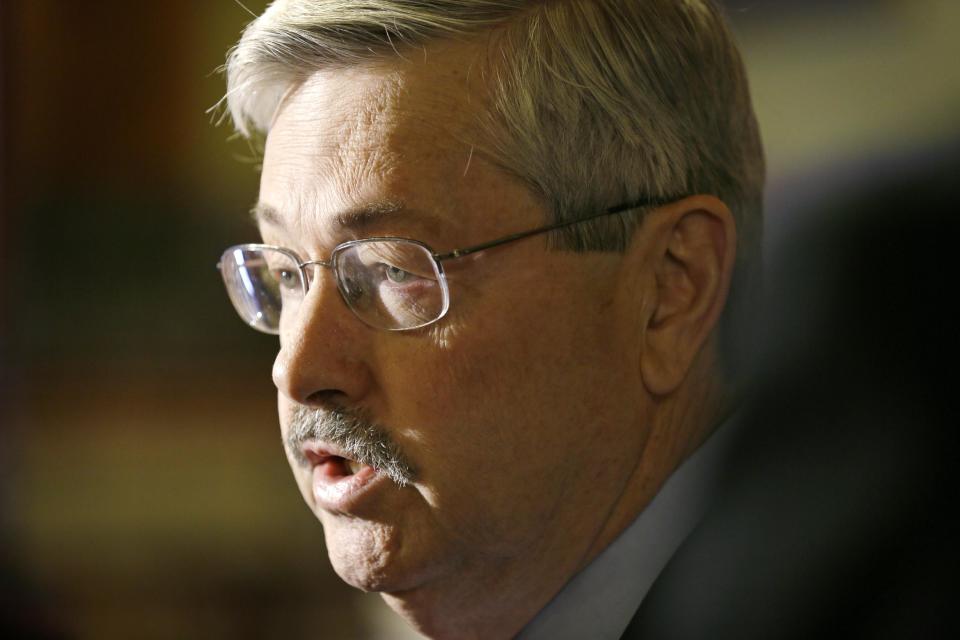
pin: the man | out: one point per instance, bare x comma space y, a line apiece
498, 241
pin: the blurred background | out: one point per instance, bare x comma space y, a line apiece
144, 489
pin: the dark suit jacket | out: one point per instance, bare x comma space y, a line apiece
834, 518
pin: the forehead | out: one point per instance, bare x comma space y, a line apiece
383, 138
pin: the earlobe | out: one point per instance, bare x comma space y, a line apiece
694, 248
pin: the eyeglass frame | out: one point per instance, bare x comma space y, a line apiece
438, 258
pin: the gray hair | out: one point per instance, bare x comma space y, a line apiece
592, 103
355, 434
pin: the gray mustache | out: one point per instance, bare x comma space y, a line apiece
363, 440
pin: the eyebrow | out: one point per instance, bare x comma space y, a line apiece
354, 219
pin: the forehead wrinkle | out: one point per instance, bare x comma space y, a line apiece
389, 130
344, 128
371, 135
362, 138
373, 108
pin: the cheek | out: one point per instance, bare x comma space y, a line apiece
498, 421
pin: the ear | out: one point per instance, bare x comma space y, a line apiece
691, 247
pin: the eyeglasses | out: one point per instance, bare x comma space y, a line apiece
396, 284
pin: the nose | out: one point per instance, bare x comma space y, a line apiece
321, 359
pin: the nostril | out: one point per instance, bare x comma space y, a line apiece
325, 398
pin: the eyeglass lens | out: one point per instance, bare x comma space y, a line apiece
256, 280
389, 284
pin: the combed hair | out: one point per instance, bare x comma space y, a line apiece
592, 103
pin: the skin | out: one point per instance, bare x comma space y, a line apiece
545, 410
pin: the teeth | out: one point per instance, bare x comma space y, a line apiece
354, 466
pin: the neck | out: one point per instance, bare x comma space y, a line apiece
679, 424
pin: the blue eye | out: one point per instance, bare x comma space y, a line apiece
395, 274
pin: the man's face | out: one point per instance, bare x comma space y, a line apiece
518, 411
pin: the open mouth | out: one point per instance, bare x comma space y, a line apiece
331, 465
339, 483
337, 466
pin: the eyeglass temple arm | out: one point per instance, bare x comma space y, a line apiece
458, 253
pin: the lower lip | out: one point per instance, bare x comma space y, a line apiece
344, 493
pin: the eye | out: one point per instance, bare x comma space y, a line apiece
287, 278
396, 274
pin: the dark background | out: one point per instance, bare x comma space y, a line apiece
144, 490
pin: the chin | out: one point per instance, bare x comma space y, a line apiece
369, 555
